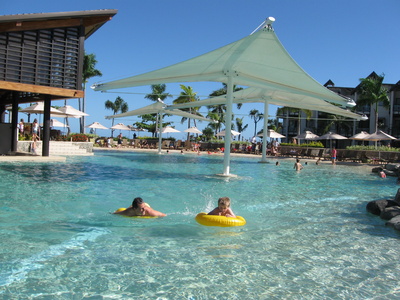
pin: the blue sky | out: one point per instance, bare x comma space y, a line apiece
338, 40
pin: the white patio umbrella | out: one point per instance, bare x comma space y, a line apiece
136, 129
168, 129
331, 136
72, 112
96, 125
193, 130
56, 123
272, 134
379, 136
120, 126
38, 108
307, 135
359, 136
222, 133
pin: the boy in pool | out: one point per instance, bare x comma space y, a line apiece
297, 165
223, 208
139, 208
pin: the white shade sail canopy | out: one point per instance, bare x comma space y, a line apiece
277, 97
159, 107
258, 60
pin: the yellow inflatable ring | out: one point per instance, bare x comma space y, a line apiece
221, 221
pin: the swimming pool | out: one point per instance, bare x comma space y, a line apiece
308, 235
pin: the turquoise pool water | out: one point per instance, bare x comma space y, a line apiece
308, 235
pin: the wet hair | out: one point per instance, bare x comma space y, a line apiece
225, 201
136, 202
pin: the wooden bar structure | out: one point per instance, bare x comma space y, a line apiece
41, 59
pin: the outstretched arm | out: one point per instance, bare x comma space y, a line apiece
230, 213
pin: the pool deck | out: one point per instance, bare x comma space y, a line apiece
32, 158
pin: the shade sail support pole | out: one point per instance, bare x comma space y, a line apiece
265, 132
228, 126
160, 117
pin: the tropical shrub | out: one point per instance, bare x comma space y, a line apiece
312, 144
373, 148
79, 137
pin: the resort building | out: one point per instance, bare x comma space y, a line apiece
318, 122
41, 59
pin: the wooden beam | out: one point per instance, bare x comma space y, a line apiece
40, 89
36, 25
88, 23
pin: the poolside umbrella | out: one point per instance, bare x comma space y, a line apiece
222, 133
120, 126
136, 129
193, 130
359, 136
379, 136
96, 125
38, 108
169, 129
272, 134
331, 136
56, 123
72, 112
307, 135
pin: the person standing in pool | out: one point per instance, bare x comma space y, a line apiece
139, 208
223, 209
297, 165
334, 153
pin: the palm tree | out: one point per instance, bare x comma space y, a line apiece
218, 111
240, 127
188, 95
89, 70
372, 93
158, 92
208, 133
119, 105
223, 91
256, 116
338, 122
219, 120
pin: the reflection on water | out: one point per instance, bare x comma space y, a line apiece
307, 235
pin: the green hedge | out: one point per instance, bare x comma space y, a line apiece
373, 148
308, 145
